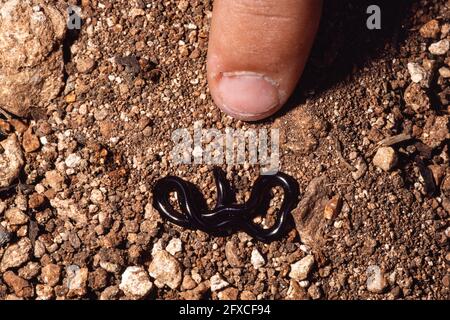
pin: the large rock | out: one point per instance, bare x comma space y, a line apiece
31, 57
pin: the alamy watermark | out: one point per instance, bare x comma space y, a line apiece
231, 146
74, 18
374, 20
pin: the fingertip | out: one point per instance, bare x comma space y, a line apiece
246, 96
254, 66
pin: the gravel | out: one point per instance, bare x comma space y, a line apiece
104, 128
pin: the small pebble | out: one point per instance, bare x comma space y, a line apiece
96, 196
385, 158
301, 269
76, 280
417, 72
11, 160
85, 65
4, 236
188, 283
50, 274
30, 142
135, 282
228, 294
166, 270
445, 30
314, 292
232, 255
361, 168
71, 98
376, 281
16, 255
416, 97
304, 283
257, 259
174, 246
439, 48
72, 160
444, 72
430, 29
16, 217
333, 207
217, 283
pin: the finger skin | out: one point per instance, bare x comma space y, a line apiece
260, 46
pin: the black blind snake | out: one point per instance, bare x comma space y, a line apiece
227, 216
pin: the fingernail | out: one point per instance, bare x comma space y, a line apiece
247, 96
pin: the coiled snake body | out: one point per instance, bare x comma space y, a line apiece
227, 216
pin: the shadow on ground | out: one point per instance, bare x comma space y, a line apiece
344, 43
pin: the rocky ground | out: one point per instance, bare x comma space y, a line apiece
366, 136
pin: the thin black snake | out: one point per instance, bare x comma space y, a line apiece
227, 216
